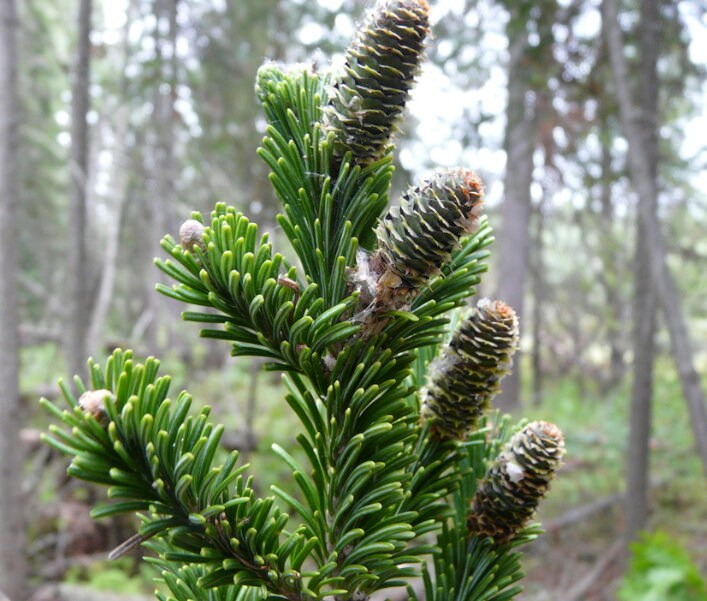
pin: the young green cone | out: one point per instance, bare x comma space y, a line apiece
380, 67
466, 375
514, 484
416, 237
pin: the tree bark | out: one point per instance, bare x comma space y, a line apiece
77, 324
663, 281
609, 275
645, 304
13, 562
538, 283
109, 265
516, 209
118, 195
599, 236
164, 173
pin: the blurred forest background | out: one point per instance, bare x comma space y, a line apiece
586, 120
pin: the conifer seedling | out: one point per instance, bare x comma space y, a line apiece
409, 473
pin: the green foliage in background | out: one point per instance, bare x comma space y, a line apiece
110, 576
660, 568
380, 492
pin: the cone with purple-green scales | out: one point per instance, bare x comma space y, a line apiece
369, 97
467, 373
417, 236
516, 482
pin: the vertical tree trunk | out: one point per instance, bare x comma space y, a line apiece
13, 563
118, 192
644, 322
614, 302
666, 288
77, 324
538, 284
164, 172
516, 209
109, 265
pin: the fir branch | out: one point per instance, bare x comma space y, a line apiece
467, 373
469, 567
355, 331
516, 482
159, 459
325, 215
358, 439
242, 279
425, 323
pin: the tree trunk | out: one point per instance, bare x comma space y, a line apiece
164, 172
109, 265
538, 283
13, 562
516, 209
609, 278
645, 304
663, 281
77, 324
118, 196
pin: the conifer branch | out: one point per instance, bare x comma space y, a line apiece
158, 459
388, 477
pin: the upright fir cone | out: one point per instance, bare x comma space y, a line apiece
514, 484
380, 67
416, 237
467, 373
